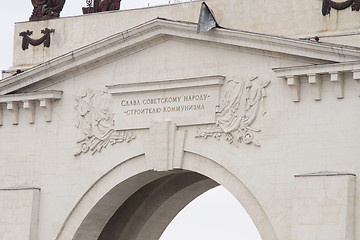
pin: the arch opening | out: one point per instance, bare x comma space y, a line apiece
147, 213
133, 203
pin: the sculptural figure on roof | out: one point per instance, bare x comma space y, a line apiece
101, 6
109, 5
338, 5
46, 9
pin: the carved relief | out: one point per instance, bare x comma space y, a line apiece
238, 110
35, 42
328, 4
96, 122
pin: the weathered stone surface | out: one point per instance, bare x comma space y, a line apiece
89, 159
324, 206
19, 210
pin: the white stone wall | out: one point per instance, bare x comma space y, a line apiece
324, 206
296, 137
19, 211
286, 18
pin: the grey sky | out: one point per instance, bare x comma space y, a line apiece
214, 215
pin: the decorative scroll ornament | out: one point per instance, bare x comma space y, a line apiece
35, 42
46, 9
96, 123
101, 6
238, 111
328, 4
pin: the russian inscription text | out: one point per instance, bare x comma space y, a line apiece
184, 102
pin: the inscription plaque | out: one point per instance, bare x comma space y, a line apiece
189, 101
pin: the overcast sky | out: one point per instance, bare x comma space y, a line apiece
12, 11
215, 215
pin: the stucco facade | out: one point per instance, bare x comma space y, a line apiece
130, 115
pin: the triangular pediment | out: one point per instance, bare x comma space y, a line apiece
160, 30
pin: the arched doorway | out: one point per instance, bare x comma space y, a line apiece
131, 202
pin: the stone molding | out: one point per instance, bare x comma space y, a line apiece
324, 174
166, 85
27, 101
157, 30
315, 73
19, 188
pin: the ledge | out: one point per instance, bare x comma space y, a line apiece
19, 188
318, 69
27, 101
166, 85
315, 73
21, 97
325, 174
129, 41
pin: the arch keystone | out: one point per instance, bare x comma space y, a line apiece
164, 146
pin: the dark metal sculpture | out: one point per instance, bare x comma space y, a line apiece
46, 9
35, 42
328, 4
101, 6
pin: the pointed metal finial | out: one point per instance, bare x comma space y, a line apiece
206, 20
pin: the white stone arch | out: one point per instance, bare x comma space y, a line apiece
93, 211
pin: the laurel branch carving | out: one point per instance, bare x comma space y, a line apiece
238, 110
96, 122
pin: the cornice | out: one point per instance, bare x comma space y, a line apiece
51, 94
203, 81
318, 69
157, 31
28, 101
315, 74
